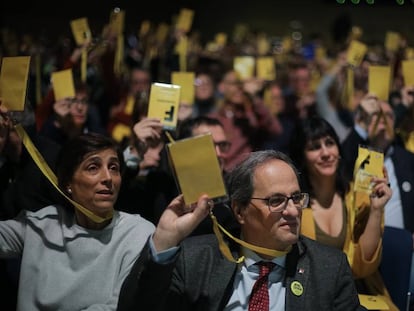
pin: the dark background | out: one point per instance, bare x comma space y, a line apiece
211, 16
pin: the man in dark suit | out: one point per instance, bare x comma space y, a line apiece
374, 127
174, 273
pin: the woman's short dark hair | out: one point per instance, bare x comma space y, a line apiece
307, 130
240, 180
75, 150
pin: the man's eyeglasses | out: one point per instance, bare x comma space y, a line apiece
81, 101
279, 202
224, 146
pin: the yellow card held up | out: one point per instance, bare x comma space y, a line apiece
145, 28
368, 164
185, 20
356, 52
408, 72
80, 30
371, 302
220, 39
63, 86
163, 104
379, 81
266, 68
186, 81
409, 53
244, 66
162, 32
197, 169
13, 81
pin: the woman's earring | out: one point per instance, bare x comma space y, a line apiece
69, 190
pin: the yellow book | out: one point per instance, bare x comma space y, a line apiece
63, 86
197, 169
163, 104
80, 30
379, 81
13, 82
266, 68
408, 72
186, 81
368, 164
244, 66
356, 52
185, 20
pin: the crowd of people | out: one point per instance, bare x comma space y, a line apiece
115, 233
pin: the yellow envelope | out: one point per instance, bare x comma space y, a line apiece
368, 164
373, 302
186, 81
266, 68
379, 81
163, 104
244, 66
356, 52
392, 41
197, 169
13, 82
117, 21
185, 20
408, 72
80, 30
63, 86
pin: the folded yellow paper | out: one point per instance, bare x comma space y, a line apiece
196, 167
163, 104
13, 82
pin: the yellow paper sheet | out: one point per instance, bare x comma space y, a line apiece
408, 72
163, 104
266, 68
186, 81
379, 80
244, 66
197, 168
13, 82
80, 30
62, 82
356, 53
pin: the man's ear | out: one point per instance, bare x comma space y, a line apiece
238, 212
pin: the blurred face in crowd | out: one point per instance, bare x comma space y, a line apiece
231, 88
78, 108
300, 81
381, 126
204, 87
140, 82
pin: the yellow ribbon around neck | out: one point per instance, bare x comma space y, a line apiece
226, 251
50, 175
84, 64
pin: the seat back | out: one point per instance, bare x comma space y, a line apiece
395, 266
